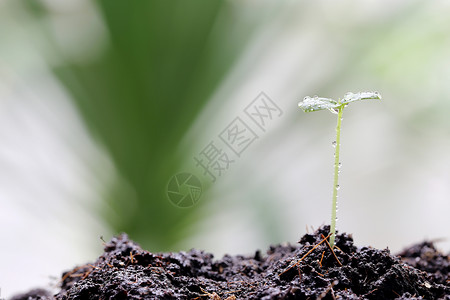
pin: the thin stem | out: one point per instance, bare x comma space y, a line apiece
336, 177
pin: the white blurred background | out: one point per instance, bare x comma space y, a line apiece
56, 171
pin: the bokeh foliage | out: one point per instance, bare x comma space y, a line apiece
162, 63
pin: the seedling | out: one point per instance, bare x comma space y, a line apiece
315, 103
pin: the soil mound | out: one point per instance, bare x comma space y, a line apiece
308, 270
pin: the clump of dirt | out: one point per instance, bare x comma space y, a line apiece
309, 270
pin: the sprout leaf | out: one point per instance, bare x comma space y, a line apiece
315, 103
351, 97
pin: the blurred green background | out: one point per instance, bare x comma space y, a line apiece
162, 63
103, 102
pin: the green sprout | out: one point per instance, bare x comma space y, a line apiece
315, 103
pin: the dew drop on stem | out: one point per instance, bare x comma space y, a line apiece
334, 144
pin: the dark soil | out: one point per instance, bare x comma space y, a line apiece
125, 271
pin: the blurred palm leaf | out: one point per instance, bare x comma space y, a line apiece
139, 97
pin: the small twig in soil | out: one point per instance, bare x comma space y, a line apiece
304, 256
332, 251
230, 292
212, 296
320, 262
338, 248
94, 267
320, 274
329, 288
89, 271
371, 292
69, 274
77, 275
133, 260
86, 274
